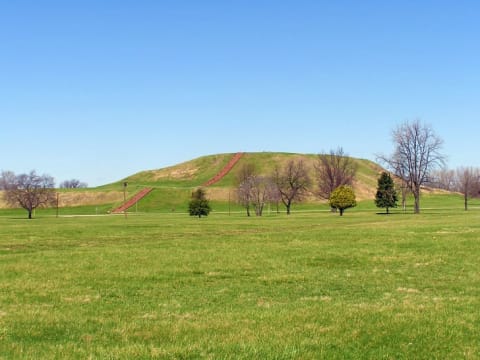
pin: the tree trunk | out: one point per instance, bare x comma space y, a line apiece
416, 195
341, 212
259, 210
288, 208
465, 197
29, 214
388, 210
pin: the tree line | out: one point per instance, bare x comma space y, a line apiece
417, 161
292, 183
465, 180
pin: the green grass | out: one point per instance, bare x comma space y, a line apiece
309, 286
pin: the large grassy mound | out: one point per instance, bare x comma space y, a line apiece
173, 185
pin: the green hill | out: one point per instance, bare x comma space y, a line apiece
173, 185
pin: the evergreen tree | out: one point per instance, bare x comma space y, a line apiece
343, 197
199, 204
386, 196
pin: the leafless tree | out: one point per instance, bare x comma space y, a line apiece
254, 190
30, 191
274, 195
333, 170
245, 194
245, 184
292, 182
73, 184
468, 183
263, 192
417, 154
444, 179
6, 179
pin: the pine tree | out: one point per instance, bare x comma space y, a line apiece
199, 204
386, 196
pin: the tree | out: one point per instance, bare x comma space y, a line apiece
468, 183
244, 194
274, 196
416, 155
292, 182
263, 191
444, 179
30, 191
199, 204
386, 196
6, 179
342, 198
245, 185
73, 184
333, 170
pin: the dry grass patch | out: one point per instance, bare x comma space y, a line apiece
186, 172
86, 198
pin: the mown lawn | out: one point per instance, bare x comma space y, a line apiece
308, 286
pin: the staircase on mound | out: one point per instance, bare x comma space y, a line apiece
132, 201
233, 161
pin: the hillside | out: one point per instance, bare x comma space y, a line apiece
173, 185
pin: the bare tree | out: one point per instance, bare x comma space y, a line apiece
30, 191
274, 195
245, 185
416, 155
468, 183
253, 190
6, 179
292, 182
263, 191
333, 170
444, 179
73, 184
245, 194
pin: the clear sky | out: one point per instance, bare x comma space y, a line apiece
99, 90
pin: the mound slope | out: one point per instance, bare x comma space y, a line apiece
219, 173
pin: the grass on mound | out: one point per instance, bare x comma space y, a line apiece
312, 285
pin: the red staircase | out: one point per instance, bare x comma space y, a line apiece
225, 170
132, 201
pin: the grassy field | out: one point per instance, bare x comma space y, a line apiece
309, 286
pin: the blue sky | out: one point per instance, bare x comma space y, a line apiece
98, 90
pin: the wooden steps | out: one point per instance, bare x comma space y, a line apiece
132, 201
233, 161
